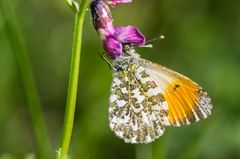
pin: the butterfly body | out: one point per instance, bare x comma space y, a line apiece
147, 97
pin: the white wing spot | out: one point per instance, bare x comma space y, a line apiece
148, 139
134, 126
124, 90
145, 118
137, 110
153, 91
113, 97
164, 105
119, 133
116, 82
121, 103
156, 108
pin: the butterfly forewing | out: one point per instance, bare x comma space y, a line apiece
186, 100
138, 111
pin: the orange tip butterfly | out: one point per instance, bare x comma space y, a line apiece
147, 97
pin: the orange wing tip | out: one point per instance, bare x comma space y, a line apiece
187, 102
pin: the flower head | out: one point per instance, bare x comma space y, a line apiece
129, 35
113, 47
113, 38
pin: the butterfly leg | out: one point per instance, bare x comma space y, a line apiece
101, 54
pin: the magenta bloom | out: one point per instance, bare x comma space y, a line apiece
113, 38
113, 3
113, 47
113, 43
129, 35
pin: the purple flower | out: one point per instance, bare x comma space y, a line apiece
113, 47
112, 43
113, 38
113, 3
129, 35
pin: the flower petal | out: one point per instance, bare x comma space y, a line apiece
112, 47
130, 35
113, 3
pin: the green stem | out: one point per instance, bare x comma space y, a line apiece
24, 66
73, 81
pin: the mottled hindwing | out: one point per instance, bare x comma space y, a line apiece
187, 102
138, 111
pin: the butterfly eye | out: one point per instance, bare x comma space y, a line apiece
126, 47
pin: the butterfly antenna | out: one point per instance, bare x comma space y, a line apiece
101, 54
161, 37
147, 46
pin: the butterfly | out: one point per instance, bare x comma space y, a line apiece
146, 97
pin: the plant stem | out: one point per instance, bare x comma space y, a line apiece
73, 81
24, 66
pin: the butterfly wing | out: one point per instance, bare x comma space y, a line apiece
187, 102
138, 110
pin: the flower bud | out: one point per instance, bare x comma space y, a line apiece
101, 16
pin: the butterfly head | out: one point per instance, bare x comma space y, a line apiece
129, 50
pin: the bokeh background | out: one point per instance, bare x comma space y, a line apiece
201, 41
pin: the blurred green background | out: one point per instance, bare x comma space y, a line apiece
201, 41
